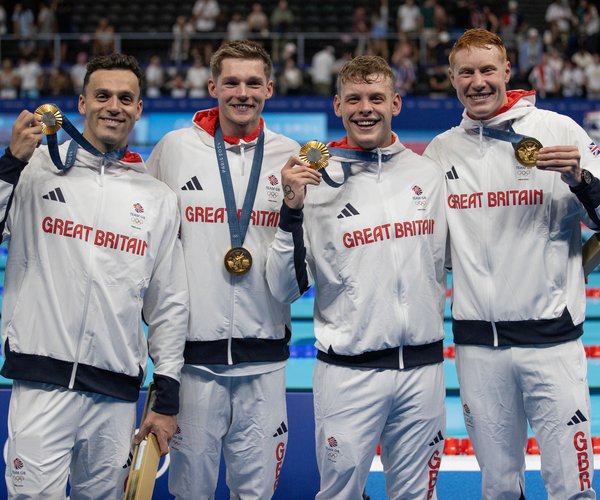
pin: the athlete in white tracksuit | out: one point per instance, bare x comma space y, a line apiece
372, 238
89, 252
518, 285
91, 248
233, 382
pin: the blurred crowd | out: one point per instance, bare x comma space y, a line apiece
559, 59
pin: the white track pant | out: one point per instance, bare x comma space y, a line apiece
53, 431
502, 389
246, 417
355, 408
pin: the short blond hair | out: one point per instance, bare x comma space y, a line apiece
239, 49
479, 38
365, 69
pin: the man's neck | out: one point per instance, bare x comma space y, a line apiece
238, 131
233, 133
102, 147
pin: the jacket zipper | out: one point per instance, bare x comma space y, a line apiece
485, 228
232, 278
403, 322
88, 288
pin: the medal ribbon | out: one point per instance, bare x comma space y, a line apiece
78, 140
351, 154
238, 227
502, 135
359, 154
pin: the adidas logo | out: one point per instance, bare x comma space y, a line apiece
192, 185
437, 439
348, 211
129, 460
282, 429
55, 195
577, 418
452, 174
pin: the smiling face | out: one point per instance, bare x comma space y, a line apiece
480, 75
111, 105
366, 109
241, 88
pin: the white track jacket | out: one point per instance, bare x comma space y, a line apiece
90, 250
375, 249
515, 231
233, 319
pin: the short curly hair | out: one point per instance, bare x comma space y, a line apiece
365, 69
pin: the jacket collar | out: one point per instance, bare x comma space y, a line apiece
343, 143
208, 119
130, 160
520, 103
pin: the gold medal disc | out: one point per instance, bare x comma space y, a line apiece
526, 151
238, 261
315, 153
51, 118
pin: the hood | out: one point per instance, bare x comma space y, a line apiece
520, 102
206, 121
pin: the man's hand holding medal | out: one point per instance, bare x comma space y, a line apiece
302, 170
561, 159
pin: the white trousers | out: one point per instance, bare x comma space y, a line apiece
53, 431
243, 416
504, 388
355, 408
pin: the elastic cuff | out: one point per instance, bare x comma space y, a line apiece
167, 395
589, 197
582, 186
290, 218
8, 153
10, 167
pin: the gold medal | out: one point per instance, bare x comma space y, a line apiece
238, 261
51, 118
315, 153
526, 151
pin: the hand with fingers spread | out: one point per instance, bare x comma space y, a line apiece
162, 426
295, 176
561, 159
26, 135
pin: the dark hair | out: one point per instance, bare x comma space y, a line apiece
365, 69
239, 49
114, 61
